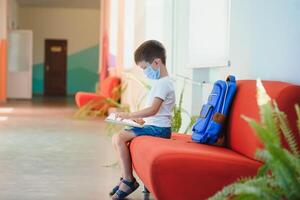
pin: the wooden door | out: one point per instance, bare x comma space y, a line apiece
55, 67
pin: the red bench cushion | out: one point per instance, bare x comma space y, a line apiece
175, 168
241, 137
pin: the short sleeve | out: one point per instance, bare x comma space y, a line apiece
161, 90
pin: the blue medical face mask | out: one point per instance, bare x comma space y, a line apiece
151, 73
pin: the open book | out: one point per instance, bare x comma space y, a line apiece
127, 122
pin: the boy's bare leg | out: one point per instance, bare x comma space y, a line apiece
120, 142
116, 149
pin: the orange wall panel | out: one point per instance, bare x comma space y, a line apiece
3, 50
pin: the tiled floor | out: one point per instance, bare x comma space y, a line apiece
45, 154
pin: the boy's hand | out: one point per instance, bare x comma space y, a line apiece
122, 115
139, 121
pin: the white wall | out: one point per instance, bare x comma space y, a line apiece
264, 40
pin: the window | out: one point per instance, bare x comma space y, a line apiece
195, 32
129, 33
159, 24
113, 33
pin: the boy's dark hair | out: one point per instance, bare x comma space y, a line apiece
150, 50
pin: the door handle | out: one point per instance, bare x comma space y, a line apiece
47, 68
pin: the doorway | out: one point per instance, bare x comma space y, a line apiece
55, 68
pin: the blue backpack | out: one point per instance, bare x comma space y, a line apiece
212, 116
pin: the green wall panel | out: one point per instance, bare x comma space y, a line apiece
82, 72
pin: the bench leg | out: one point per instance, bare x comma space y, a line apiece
146, 190
146, 194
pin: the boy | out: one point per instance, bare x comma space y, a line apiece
151, 57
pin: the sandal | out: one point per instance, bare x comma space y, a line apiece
133, 185
115, 189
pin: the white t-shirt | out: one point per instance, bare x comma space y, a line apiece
162, 88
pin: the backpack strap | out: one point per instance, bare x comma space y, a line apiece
230, 78
225, 96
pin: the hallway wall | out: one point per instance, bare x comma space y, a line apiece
80, 27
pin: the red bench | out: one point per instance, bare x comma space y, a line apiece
179, 169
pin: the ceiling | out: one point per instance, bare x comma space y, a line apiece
94, 4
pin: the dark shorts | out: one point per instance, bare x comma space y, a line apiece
163, 132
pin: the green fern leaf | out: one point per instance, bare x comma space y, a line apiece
263, 156
298, 117
266, 137
283, 171
261, 188
268, 119
225, 193
288, 135
294, 161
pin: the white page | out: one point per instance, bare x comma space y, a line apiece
127, 122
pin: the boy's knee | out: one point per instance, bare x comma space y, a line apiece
120, 138
117, 139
